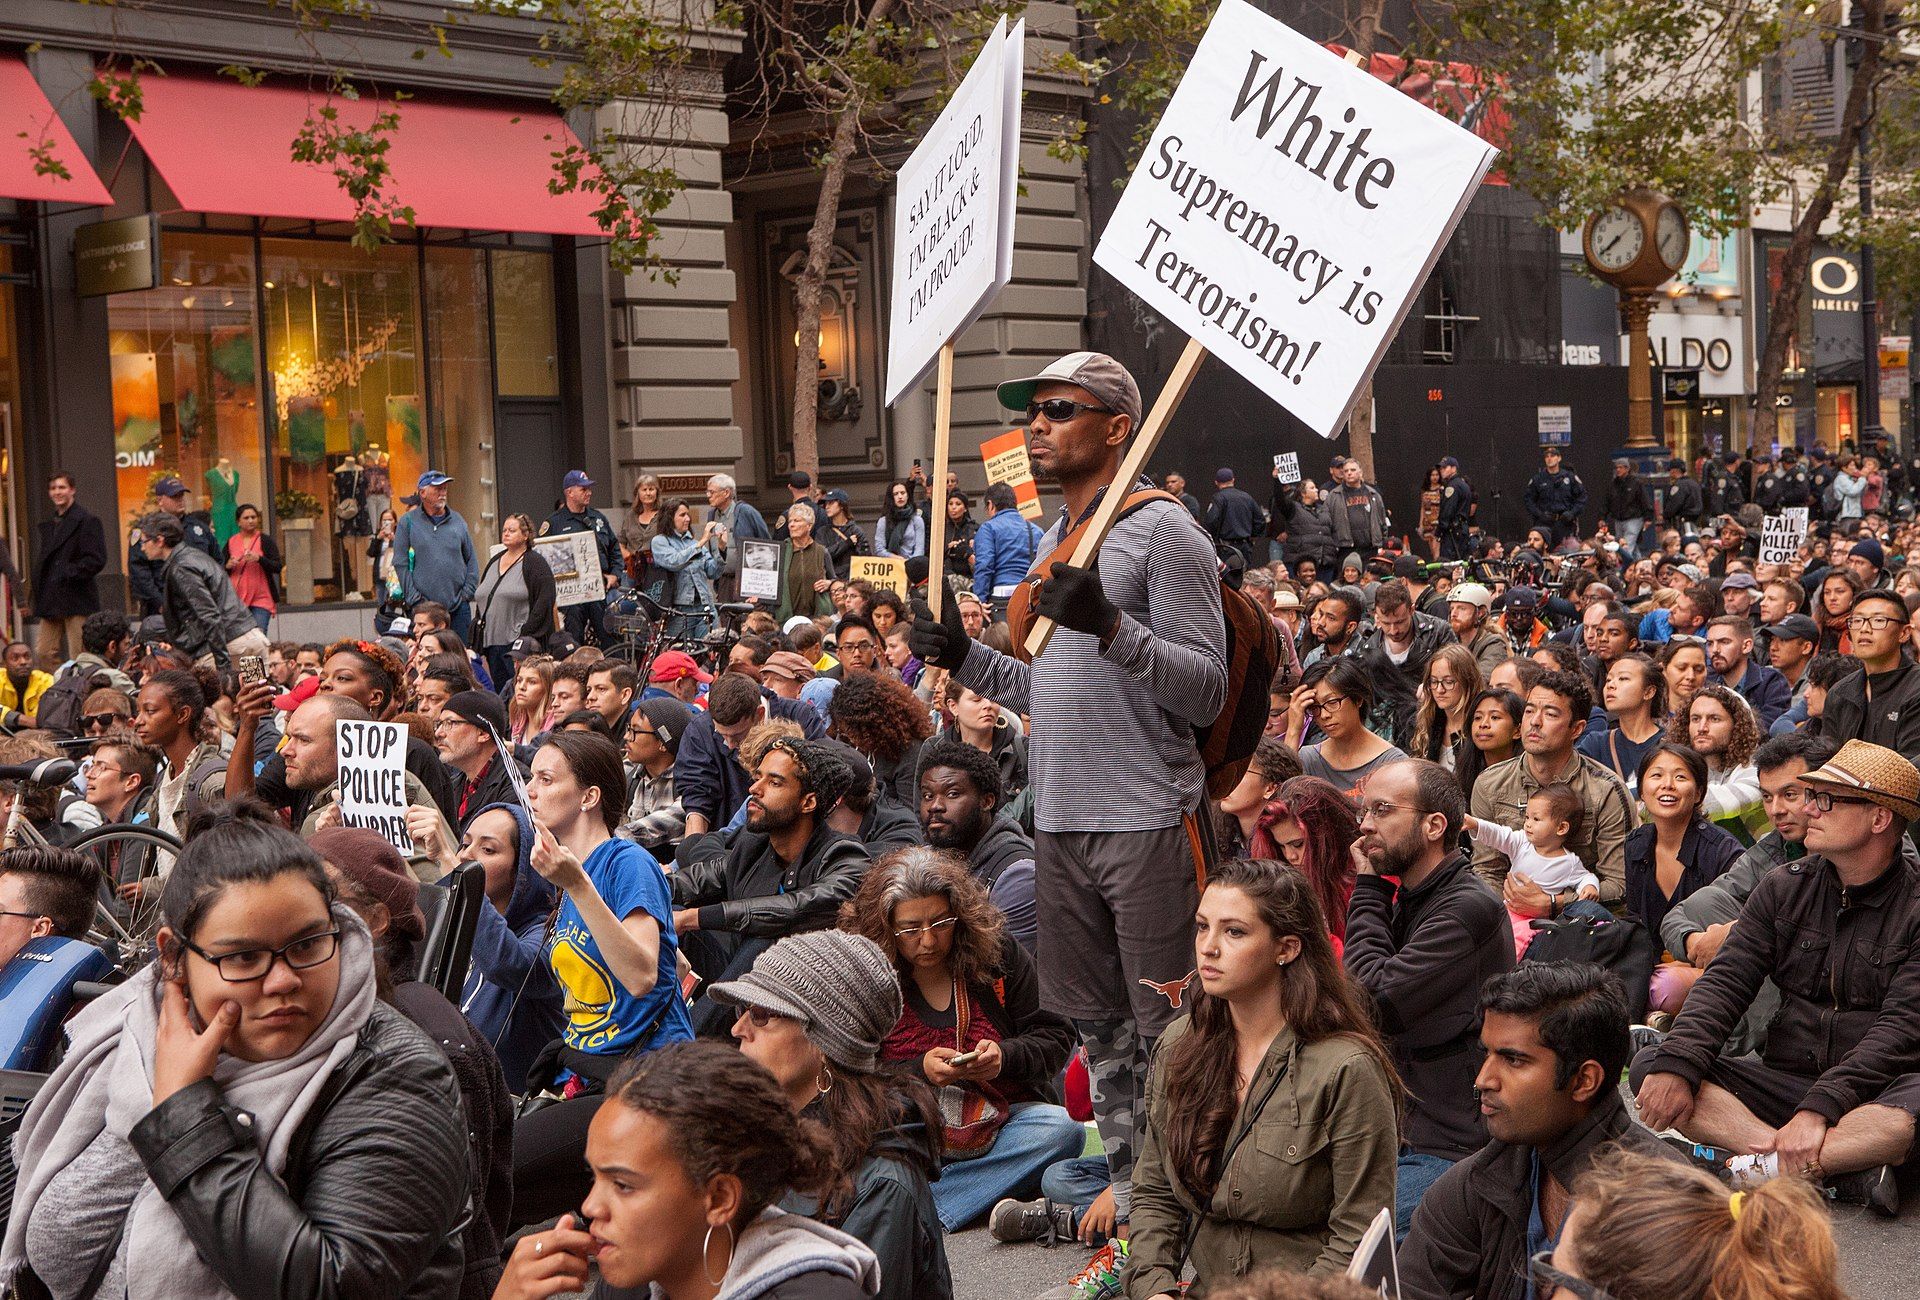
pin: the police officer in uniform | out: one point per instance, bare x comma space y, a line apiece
176, 498
1819, 479
1726, 493
1786, 484
1456, 511
1555, 498
577, 515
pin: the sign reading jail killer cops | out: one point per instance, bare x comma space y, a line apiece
1783, 535
373, 778
953, 211
1287, 210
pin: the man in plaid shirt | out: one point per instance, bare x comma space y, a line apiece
654, 818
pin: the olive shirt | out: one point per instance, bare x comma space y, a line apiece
1501, 794
1299, 1191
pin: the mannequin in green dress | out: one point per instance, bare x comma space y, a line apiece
223, 497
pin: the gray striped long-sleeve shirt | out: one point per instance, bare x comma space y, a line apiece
1112, 746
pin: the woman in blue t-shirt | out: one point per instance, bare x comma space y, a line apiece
612, 952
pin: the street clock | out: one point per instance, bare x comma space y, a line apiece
1637, 242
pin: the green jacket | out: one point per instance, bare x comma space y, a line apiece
1300, 1189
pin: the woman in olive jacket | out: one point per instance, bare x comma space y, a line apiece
1278, 1047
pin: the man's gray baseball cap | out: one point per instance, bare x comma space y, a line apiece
1096, 372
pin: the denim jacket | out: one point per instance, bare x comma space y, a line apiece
694, 567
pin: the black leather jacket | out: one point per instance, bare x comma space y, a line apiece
740, 884
375, 1196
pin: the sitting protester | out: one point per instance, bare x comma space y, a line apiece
1832, 1096
1719, 726
245, 1108
654, 818
1674, 853
44, 891
879, 824
813, 1013
960, 797
973, 1027
983, 724
721, 1147
879, 716
170, 714
1274, 763
708, 775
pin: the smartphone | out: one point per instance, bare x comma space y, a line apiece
965, 1058
252, 668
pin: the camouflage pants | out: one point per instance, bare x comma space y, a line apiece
1117, 1080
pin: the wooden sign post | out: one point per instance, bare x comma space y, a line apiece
937, 487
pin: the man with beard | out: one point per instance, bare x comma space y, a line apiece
786, 871
1333, 623
1730, 655
1423, 951
1468, 604
959, 795
1394, 652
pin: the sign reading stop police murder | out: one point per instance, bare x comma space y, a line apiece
1783, 535
953, 211
373, 778
1287, 211
575, 561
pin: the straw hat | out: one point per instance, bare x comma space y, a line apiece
1875, 773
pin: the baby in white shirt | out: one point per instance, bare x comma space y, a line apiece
1539, 851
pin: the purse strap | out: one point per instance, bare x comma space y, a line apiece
1250, 1117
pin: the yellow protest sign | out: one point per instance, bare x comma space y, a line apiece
888, 571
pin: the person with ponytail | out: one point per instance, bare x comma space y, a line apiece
690, 1156
1279, 1047
1692, 1240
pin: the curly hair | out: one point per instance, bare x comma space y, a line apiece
947, 751
1746, 731
378, 660
761, 738
879, 715
916, 872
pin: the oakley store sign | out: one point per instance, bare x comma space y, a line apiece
1709, 342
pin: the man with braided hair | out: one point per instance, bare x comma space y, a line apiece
784, 872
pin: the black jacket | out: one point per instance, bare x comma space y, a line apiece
1396, 687
887, 825
1725, 491
1626, 498
1309, 531
1234, 517
1706, 851
740, 884
540, 598
1469, 1236
891, 1210
495, 786
1681, 502
1456, 506
1849, 987
1423, 957
1551, 497
69, 553
374, 1197
1892, 718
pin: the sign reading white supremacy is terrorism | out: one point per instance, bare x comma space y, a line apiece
373, 778
1287, 211
953, 211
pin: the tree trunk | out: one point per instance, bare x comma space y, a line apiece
1366, 26
1783, 311
813, 275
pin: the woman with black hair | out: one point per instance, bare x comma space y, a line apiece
243, 1116
690, 1160
1272, 1108
960, 531
1676, 851
1635, 696
1336, 694
1493, 733
170, 714
900, 531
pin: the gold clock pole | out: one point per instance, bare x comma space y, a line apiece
1636, 306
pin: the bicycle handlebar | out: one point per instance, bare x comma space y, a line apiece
48, 771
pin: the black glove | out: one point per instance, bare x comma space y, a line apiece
942, 644
1074, 598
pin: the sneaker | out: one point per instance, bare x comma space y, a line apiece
1744, 1173
1040, 1221
1712, 1159
1099, 1280
1874, 1188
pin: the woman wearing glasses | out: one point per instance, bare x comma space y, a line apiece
814, 1011
1440, 727
1691, 1238
244, 1113
972, 1026
1335, 694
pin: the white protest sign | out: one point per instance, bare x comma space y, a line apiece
1287, 211
575, 561
373, 778
1374, 1261
759, 568
953, 211
1783, 535
1286, 467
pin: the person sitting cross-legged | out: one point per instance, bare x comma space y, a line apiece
1833, 1095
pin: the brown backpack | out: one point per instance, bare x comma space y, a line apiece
1253, 656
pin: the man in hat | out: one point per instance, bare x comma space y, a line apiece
1234, 518
1867, 560
800, 488
175, 498
676, 676
577, 515
655, 818
1726, 489
467, 733
1791, 646
1138, 660
1682, 504
1880, 700
1786, 484
1456, 512
1555, 497
1520, 621
1469, 606
1739, 593
785, 673
1833, 1095
435, 554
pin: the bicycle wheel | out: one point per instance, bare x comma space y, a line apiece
126, 855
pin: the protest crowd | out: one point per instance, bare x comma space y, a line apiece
1547, 893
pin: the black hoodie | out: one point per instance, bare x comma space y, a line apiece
1003, 862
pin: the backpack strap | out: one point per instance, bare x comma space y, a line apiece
1020, 612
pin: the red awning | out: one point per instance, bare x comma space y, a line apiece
226, 147
27, 121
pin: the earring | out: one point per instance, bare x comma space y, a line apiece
827, 1086
706, 1243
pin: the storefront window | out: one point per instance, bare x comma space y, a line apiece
462, 388
186, 389
525, 344
348, 426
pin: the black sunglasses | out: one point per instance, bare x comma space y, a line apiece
1545, 1275
99, 719
1059, 410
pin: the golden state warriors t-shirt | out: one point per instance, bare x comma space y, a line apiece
603, 1018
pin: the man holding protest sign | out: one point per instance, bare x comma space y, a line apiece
1138, 662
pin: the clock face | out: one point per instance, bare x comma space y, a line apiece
1670, 238
1615, 239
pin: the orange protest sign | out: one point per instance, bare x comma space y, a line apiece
1006, 461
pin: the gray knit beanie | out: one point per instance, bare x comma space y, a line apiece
842, 987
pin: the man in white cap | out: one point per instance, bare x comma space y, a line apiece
1832, 1096
1468, 607
1137, 662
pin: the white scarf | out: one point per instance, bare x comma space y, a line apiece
105, 1084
